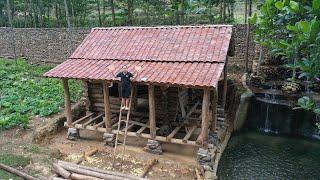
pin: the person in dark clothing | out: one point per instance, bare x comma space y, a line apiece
125, 77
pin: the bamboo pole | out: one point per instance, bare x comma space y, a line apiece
107, 113
152, 112
67, 104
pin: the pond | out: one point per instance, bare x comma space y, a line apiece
252, 155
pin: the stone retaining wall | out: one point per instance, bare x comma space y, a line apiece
52, 45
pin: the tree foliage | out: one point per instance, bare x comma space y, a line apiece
291, 29
90, 13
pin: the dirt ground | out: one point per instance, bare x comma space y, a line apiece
177, 162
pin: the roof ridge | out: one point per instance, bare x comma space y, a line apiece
163, 27
149, 60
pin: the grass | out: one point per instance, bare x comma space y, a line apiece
15, 161
24, 92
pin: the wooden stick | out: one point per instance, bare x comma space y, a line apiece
174, 132
149, 166
61, 171
188, 135
16, 172
198, 174
98, 125
203, 137
193, 109
76, 176
87, 154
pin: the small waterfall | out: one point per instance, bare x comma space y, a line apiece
266, 123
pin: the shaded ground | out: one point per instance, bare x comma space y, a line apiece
16, 144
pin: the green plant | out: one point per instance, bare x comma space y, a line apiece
291, 29
24, 93
309, 104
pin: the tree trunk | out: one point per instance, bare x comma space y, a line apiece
246, 11
113, 13
130, 11
99, 13
67, 13
57, 14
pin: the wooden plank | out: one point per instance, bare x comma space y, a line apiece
203, 137
92, 120
67, 103
142, 135
129, 127
141, 124
189, 134
107, 113
152, 112
138, 133
173, 133
81, 119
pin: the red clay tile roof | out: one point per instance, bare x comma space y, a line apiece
176, 43
178, 55
161, 73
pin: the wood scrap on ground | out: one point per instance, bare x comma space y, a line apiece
149, 166
16, 172
86, 155
79, 172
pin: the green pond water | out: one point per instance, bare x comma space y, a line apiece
254, 155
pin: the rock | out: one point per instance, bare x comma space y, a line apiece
73, 134
109, 139
209, 175
153, 147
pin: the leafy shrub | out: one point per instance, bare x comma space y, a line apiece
24, 92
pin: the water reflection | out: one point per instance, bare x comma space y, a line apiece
256, 156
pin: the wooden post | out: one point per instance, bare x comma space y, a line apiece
203, 138
225, 84
214, 110
86, 96
67, 104
152, 112
107, 113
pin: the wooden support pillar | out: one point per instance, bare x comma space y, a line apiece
67, 103
214, 110
152, 112
107, 113
203, 138
225, 84
86, 96
134, 97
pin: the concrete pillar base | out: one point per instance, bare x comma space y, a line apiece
73, 134
153, 147
109, 139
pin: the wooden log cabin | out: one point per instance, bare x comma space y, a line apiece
175, 96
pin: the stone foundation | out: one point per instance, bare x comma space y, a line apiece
109, 139
153, 147
205, 159
73, 134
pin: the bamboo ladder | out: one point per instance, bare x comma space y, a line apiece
126, 121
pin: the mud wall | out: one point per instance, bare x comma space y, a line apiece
54, 45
